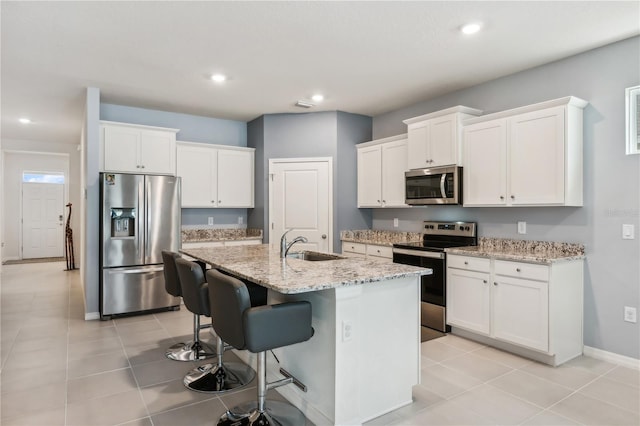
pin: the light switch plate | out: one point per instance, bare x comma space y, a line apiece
240, 220
628, 233
210, 220
395, 222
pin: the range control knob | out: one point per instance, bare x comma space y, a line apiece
462, 228
466, 228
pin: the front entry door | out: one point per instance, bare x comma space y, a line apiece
300, 199
42, 220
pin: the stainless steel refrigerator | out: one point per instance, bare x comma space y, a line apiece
140, 217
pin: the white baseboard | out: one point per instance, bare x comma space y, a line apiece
614, 358
88, 316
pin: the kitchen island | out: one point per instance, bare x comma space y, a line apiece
364, 357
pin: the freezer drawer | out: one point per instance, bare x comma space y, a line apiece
134, 289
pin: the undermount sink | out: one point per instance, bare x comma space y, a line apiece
313, 256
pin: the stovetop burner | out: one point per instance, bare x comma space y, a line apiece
440, 235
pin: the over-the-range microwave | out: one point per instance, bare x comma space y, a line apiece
435, 185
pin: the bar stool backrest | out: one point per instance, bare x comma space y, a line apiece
228, 299
195, 291
171, 281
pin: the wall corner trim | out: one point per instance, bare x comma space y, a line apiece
91, 316
622, 360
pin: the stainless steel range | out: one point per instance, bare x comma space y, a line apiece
429, 253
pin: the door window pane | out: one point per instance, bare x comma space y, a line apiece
48, 177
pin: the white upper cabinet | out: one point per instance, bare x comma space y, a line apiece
130, 148
435, 139
529, 156
381, 167
216, 176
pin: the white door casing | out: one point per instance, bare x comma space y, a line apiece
42, 220
300, 198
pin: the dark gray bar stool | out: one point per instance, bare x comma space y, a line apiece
196, 349
208, 378
258, 330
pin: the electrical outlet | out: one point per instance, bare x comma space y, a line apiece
395, 222
629, 314
210, 220
628, 232
347, 331
240, 220
522, 227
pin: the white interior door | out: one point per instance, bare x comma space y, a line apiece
42, 220
300, 195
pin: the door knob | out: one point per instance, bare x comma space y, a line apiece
324, 237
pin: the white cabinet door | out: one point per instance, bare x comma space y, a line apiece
196, 167
485, 164
417, 147
235, 178
468, 300
536, 157
521, 312
158, 152
130, 148
394, 164
443, 143
120, 149
370, 176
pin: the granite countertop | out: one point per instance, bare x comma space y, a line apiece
262, 264
379, 237
546, 252
203, 234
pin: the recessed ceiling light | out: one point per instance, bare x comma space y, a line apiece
471, 28
25, 120
317, 97
218, 78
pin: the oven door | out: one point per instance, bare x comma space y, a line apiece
440, 185
432, 287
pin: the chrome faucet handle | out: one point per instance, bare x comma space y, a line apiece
283, 243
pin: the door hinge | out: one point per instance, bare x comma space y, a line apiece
271, 174
272, 227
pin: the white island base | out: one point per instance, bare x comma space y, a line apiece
364, 357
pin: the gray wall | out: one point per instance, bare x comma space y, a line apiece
611, 178
320, 134
192, 129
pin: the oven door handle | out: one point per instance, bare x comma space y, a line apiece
420, 253
443, 181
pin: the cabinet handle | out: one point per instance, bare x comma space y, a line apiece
517, 269
513, 197
378, 251
142, 167
484, 281
219, 201
213, 201
502, 197
495, 283
137, 167
466, 263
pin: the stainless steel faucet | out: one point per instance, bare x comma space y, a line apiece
284, 246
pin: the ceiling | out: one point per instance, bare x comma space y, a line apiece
365, 57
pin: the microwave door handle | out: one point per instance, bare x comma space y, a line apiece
443, 181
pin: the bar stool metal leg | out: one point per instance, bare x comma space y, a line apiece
220, 377
194, 350
263, 412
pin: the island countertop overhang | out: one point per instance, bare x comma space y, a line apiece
262, 265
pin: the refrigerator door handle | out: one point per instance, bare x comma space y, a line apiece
147, 212
142, 270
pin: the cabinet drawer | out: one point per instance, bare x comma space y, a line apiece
354, 248
469, 263
528, 271
380, 251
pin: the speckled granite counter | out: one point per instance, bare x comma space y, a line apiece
262, 264
191, 235
379, 237
521, 250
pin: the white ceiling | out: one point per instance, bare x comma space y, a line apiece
366, 57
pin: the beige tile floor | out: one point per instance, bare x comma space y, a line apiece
58, 369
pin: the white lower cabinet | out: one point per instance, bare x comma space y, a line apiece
536, 307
